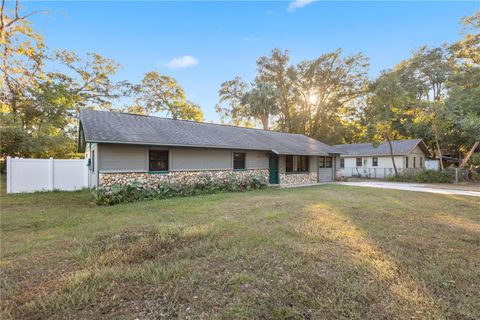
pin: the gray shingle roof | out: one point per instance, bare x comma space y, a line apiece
115, 127
400, 147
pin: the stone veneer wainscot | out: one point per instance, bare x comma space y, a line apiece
298, 178
153, 180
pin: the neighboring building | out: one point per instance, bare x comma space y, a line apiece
363, 159
124, 148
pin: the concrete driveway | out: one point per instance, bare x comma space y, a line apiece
411, 187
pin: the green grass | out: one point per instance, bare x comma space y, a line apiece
321, 252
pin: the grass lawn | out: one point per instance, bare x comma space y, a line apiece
311, 253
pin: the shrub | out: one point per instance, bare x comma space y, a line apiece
204, 185
425, 176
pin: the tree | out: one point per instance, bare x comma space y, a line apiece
387, 105
329, 89
320, 98
261, 102
162, 94
231, 105
88, 80
275, 71
430, 69
468, 48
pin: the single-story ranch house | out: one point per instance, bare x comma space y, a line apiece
124, 148
364, 159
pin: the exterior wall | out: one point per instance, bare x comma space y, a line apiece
134, 158
92, 175
384, 168
416, 153
338, 172
152, 181
385, 165
118, 162
325, 174
183, 159
186, 159
298, 178
125, 158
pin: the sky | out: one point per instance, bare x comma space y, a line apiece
202, 44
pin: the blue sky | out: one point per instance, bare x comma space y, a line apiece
202, 44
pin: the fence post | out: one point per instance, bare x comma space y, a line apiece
50, 175
9, 174
456, 175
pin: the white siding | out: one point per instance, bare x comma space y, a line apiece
385, 164
384, 167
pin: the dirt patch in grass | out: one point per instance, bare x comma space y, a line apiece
138, 246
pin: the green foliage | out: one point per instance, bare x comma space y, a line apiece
475, 160
205, 185
315, 97
159, 93
425, 176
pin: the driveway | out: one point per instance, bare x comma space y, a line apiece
411, 187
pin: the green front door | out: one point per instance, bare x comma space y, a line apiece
273, 166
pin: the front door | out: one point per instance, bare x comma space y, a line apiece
273, 166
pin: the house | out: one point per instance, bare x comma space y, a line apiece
366, 160
123, 148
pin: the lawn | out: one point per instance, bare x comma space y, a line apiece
325, 252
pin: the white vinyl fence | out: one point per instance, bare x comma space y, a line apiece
30, 175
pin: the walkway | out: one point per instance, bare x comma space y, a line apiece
410, 187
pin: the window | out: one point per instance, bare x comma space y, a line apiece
406, 162
359, 162
414, 162
93, 160
328, 162
158, 160
421, 162
296, 164
342, 163
289, 163
374, 162
321, 162
303, 163
238, 161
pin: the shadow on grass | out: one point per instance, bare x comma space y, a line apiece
417, 258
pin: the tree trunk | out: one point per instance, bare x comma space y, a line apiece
393, 158
264, 119
439, 151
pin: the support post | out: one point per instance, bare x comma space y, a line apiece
456, 175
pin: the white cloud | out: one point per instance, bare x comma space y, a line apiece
295, 4
182, 62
